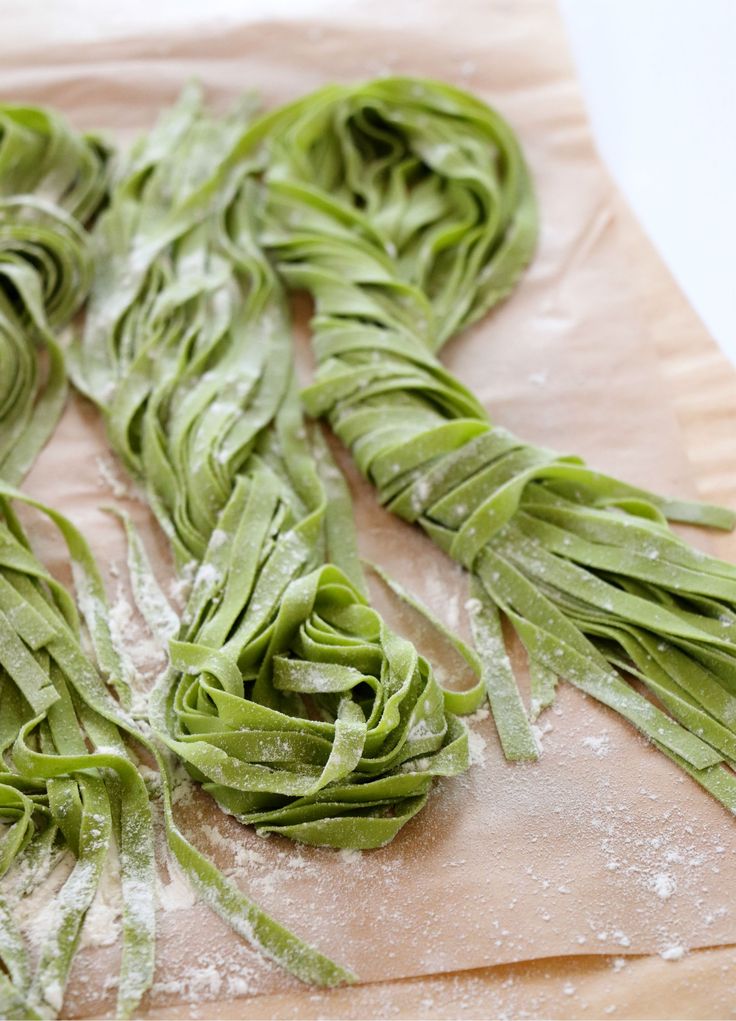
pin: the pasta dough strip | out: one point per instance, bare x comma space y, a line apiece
406, 210
51, 184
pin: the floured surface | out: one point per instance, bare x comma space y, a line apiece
565, 988
602, 848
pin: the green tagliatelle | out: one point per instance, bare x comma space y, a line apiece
405, 208
58, 723
51, 184
288, 697
70, 782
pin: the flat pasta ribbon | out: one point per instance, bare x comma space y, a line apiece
52, 182
70, 777
287, 697
405, 208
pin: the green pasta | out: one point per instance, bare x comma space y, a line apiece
53, 704
405, 208
67, 781
51, 184
69, 777
288, 697
71, 781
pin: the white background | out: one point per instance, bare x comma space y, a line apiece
659, 80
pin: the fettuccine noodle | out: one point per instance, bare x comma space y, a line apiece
70, 781
405, 208
51, 185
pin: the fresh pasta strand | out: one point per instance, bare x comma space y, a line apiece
70, 782
52, 182
287, 696
406, 210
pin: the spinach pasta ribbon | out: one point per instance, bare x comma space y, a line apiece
405, 208
70, 782
287, 697
52, 182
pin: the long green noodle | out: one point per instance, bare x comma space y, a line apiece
51, 184
405, 208
288, 698
69, 777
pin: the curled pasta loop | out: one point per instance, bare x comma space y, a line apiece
71, 781
52, 182
287, 696
406, 210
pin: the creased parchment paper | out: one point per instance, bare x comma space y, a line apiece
601, 850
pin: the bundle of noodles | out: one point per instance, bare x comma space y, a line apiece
71, 786
67, 783
52, 182
405, 208
287, 697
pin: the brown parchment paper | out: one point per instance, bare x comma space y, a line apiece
603, 849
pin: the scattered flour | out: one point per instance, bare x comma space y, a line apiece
176, 894
673, 953
207, 575
102, 924
143, 656
540, 730
218, 538
664, 885
108, 478
477, 748
598, 744
180, 587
